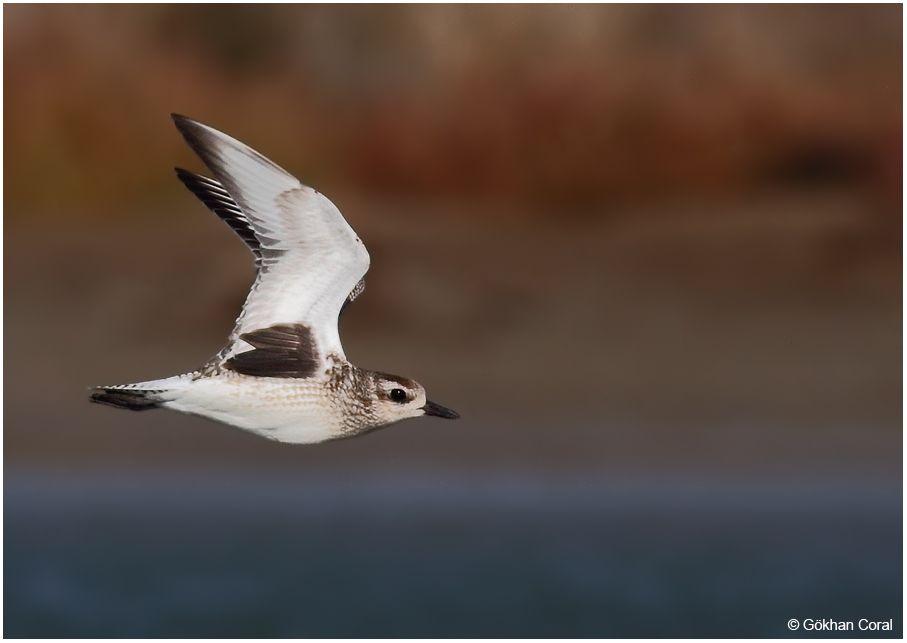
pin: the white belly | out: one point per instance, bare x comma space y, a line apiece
286, 410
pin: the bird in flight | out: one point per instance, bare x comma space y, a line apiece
283, 374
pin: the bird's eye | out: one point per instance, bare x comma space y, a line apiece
398, 395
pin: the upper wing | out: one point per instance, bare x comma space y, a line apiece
216, 198
308, 257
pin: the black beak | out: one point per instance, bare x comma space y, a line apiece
431, 408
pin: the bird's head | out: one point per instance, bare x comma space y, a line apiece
400, 398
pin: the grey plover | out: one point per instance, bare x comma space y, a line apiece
283, 374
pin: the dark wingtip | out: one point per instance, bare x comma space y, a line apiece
200, 139
186, 126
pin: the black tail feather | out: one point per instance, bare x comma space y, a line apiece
125, 399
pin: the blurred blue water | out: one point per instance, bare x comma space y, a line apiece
142, 556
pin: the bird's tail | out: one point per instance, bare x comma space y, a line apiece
125, 398
142, 396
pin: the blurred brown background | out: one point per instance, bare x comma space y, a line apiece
673, 231
624, 242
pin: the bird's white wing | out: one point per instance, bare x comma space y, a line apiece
310, 258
